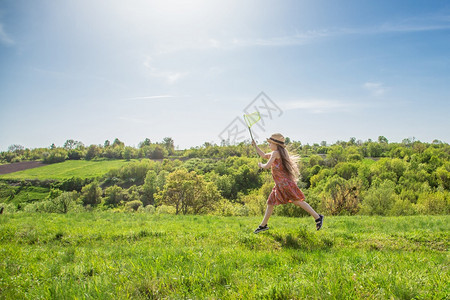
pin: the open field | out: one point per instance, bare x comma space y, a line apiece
68, 169
105, 255
19, 166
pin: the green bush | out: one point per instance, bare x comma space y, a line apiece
166, 210
403, 207
149, 209
340, 196
443, 176
7, 192
379, 199
91, 194
54, 156
133, 205
434, 203
64, 203
346, 170
71, 184
8, 208
226, 208
114, 195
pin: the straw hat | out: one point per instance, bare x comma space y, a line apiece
277, 138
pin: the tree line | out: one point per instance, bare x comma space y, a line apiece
76, 150
345, 178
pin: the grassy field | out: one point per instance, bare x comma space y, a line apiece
68, 169
105, 255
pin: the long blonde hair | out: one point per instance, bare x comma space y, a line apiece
289, 163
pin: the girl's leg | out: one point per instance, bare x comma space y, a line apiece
307, 208
269, 211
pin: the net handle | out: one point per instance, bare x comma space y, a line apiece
247, 122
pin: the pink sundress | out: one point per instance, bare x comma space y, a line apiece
285, 189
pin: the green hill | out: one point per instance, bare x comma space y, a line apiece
71, 168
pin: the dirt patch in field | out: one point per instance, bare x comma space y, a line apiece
15, 167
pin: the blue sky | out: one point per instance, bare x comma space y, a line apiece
99, 70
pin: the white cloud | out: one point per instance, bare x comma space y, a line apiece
150, 97
280, 41
4, 38
169, 77
305, 37
375, 88
133, 120
317, 106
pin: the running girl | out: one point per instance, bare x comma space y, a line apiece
284, 172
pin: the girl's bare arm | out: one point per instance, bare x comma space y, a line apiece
260, 152
274, 155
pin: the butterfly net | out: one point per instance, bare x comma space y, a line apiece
252, 118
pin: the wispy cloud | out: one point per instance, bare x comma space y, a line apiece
307, 37
298, 38
4, 37
424, 24
133, 120
150, 97
375, 88
169, 77
317, 106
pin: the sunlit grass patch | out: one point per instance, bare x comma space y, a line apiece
140, 256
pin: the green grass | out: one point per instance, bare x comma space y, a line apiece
134, 256
30, 194
68, 169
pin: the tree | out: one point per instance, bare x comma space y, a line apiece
352, 141
91, 194
434, 203
92, 152
54, 156
149, 188
158, 152
118, 143
114, 195
133, 193
146, 142
71, 144
74, 149
443, 176
382, 140
374, 149
335, 155
128, 153
71, 184
64, 202
16, 149
169, 145
75, 154
341, 196
188, 193
315, 160
379, 199
346, 170
352, 154
246, 179
133, 205
113, 152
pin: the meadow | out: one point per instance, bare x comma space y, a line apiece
106, 255
68, 169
